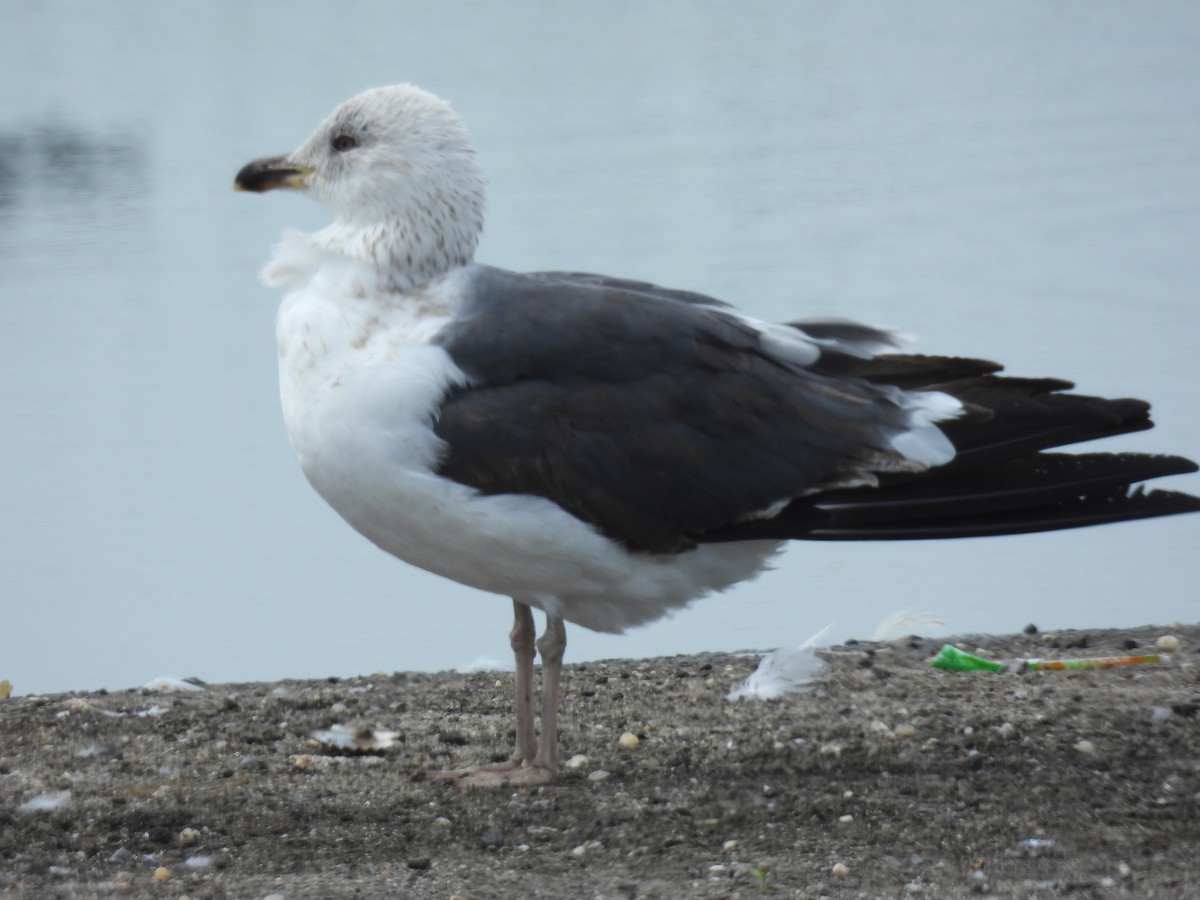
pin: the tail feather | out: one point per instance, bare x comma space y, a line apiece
1041, 480
1118, 505
1046, 492
1001, 480
1007, 418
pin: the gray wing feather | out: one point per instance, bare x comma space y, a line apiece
650, 414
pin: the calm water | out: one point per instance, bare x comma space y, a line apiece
1018, 181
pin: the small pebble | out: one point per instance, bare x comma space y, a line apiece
840, 870
1160, 714
585, 848
162, 873
598, 775
1124, 871
1086, 747
491, 838
578, 761
189, 836
420, 864
729, 846
1031, 629
881, 729
1168, 643
905, 730
306, 761
846, 819
628, 741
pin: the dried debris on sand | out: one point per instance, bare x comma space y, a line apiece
889, 778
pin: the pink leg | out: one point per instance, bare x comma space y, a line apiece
521, 638
526, 767
551, 645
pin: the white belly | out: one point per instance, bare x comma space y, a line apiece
360, 385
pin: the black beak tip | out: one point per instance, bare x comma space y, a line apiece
247, 179
265, 174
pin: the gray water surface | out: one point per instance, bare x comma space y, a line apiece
1011, 180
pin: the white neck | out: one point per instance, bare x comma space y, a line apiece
404, 253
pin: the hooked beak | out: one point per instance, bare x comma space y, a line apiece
271, 173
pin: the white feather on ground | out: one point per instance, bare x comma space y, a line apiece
783, 671
791, 669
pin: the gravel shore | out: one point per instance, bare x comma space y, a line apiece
888, 779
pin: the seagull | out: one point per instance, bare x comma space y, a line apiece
607, 450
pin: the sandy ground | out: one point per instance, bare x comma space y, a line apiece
891, 779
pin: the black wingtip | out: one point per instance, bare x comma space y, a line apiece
1128, 507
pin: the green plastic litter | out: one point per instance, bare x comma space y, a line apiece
950, 657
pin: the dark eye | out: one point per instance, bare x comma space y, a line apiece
343, 142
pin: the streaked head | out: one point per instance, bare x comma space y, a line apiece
391, 156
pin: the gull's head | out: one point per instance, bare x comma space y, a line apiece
396, 167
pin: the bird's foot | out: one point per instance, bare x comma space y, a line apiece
513, 773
